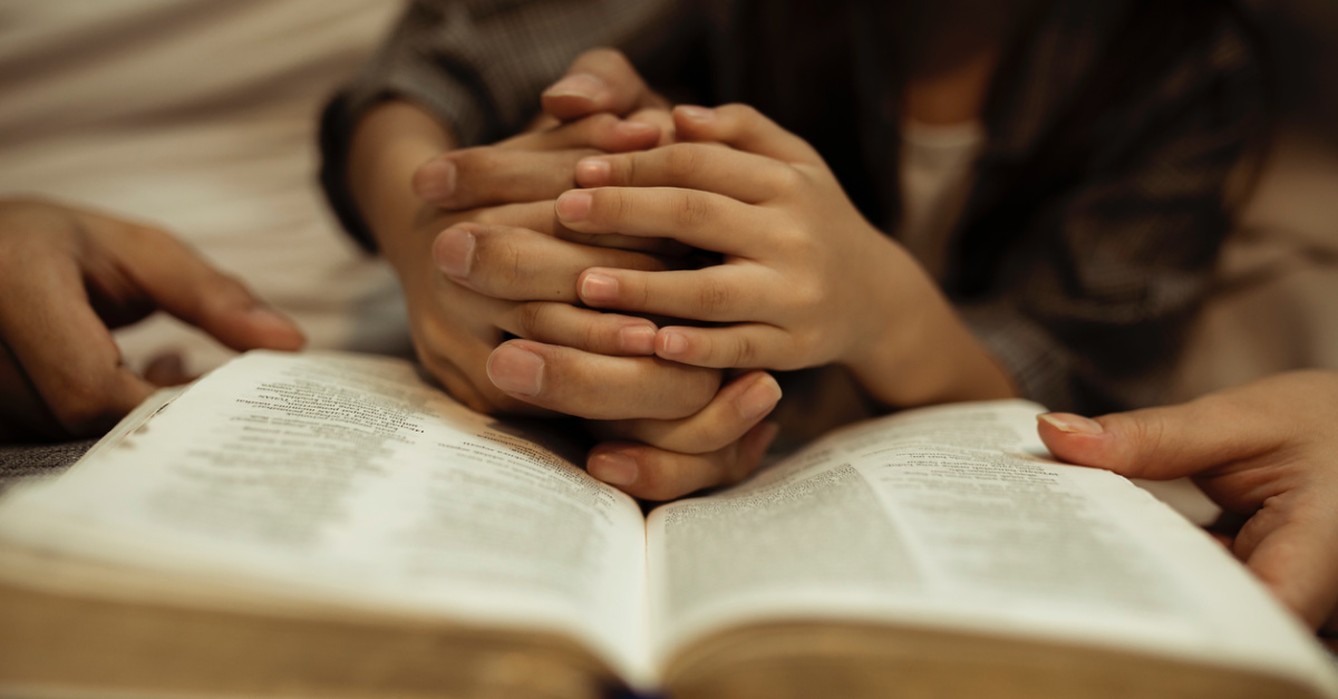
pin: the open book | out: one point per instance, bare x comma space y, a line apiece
330, 525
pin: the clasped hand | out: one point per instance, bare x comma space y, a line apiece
497, 320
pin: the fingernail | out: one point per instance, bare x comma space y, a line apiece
701, 114
578, 85
1072, 424
574, 206
435, 180
637, 339
613, 468
453, 252
673, 343
516, 370
600, 288
593, 172
759, 399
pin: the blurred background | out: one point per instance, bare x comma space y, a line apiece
1275, 305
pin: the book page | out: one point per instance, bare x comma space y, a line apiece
952, 517
347, 478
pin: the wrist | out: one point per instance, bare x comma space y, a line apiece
389, 143
919, 351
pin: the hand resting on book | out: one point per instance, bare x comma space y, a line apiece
1265, 452
67, 276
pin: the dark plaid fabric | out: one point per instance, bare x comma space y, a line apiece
1099, 203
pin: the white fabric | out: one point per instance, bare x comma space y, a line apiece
200, 116
937, 164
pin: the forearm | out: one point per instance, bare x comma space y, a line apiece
950, 366
388, 144
922, 352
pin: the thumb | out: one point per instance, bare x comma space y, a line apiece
180, 282
1161, 443
599, 80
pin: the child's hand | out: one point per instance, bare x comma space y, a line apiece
1267, 451
473, 276
805, 280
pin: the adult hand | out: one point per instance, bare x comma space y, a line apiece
669, 432
602, 81
533, 166
474, 277
721, 444
659, 448
67, 277
1266, 451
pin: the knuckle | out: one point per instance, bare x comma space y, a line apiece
783, 179
626, 170
608, 205
807, 296
497, 264
681, 160
592, 336
692, 210
531, 320
635, 293
1148, 434
714, 298
745, 353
